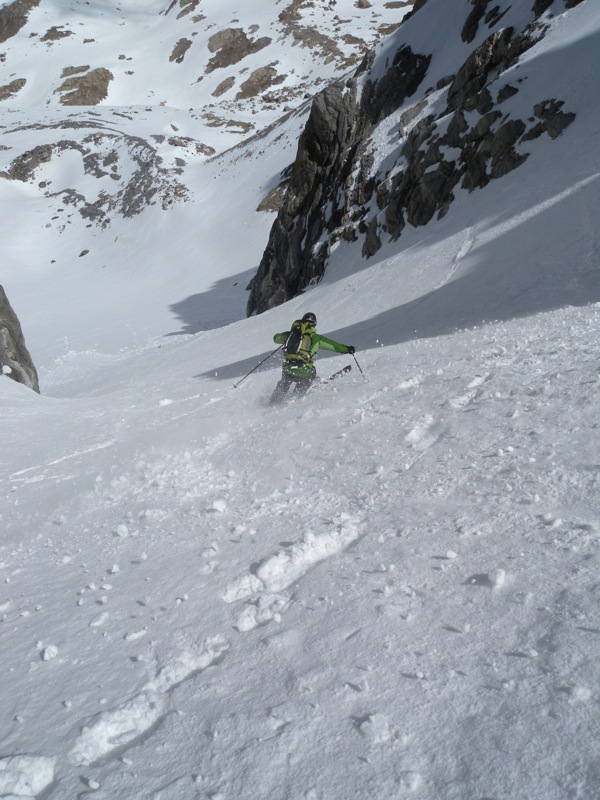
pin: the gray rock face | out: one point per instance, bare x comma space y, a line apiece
15, 361
327, 155
292, 258
335, 191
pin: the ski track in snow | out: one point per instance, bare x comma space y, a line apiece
260, 596
471, 239
111, 733
429, 431
263, 594
22, 475
197, 481
472, 393
126, 724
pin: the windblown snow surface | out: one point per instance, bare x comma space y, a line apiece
389, 589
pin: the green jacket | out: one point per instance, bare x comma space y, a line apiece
306, 369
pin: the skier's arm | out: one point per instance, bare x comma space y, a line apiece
281, 338
329, 344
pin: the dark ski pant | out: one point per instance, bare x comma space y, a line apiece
303, 384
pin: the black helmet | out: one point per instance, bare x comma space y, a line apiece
310, 317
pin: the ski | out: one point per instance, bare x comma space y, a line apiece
337, 374
292, 397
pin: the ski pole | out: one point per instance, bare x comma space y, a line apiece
358, 365
235, 385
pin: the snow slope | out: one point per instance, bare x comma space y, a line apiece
296, 46
388, 589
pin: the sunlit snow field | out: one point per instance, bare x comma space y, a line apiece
388, 589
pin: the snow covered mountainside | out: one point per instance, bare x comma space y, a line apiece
388, 589
239, 66
163, 85
112, 109
447, 104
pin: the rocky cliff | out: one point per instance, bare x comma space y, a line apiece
15, 361
458, 130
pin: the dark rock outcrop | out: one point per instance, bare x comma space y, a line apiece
335, 191
497, 53
327, 153
540, 6
293, 258
15, 361
401, 80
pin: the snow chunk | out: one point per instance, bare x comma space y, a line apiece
497, 578
287, 566
181, 667
411, 780
492, 580
118, 727
244, 587
269, 607
25, 776
50, 652
376, 728
133, 635
247, 620
580, 694
99, 619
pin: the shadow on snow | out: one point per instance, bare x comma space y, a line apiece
504, 281
224, 303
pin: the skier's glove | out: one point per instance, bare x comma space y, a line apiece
351, 349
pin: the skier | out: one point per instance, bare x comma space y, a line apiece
301, 345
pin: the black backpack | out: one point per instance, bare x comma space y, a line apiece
297, 346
